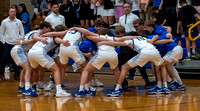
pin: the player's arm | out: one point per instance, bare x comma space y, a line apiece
197, 16
163, 41
84, 31
61, 41
112, 43
123, 38
96, 38
36, 37
55, 34
155, 37
22, 42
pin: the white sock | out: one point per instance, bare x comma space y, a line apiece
58, 87
193, 51
27, 85
21, 84
154, 78
81, 88
118, 86
188, 54
159, 84
164, 84
87, 86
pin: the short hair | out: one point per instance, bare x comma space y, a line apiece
98, 16
53, 3
59, 28
12, 8
98, 23
128, 2
119, 30
138, 21
104, 31
133, 33
149, 23
182, 1
15, 6
45, 24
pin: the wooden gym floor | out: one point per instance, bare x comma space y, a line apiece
136, 99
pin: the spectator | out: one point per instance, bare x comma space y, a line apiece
127, 19
134, 8
84, 13
68, 11
118, 9
17, 11
55, 18
24, 17
170, 9
43, 5
108, 13
36, 19
143, 9
12, 30
47, 11
187, 17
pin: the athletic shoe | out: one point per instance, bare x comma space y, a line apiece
34, 87
182, 87
62, 93
166, 90
91, 91
20, 89
40, 85
149, 85
155, 90
130, 77
188, 59
79, 94
96, 83
29, 92
50, 86
194, 57
63, 86
153, 83
173, 85
115, 93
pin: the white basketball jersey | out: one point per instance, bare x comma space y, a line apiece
106, 47
26, 47
47, 47
74, 38
139, 44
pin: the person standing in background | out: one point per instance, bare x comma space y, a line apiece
12, 30
55, 18
24, 17
127, 19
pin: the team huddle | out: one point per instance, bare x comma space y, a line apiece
32, 54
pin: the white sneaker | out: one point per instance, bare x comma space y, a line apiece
40, 85
62, 93
50, 86
96, 82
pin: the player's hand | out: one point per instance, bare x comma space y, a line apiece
44, 40
88, 54
149, 41
66, 43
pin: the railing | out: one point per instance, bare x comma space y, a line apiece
190, 32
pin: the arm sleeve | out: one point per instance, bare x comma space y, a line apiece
21, 29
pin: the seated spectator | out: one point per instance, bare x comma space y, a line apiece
36, 19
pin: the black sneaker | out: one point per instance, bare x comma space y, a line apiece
194, 57
187, 59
